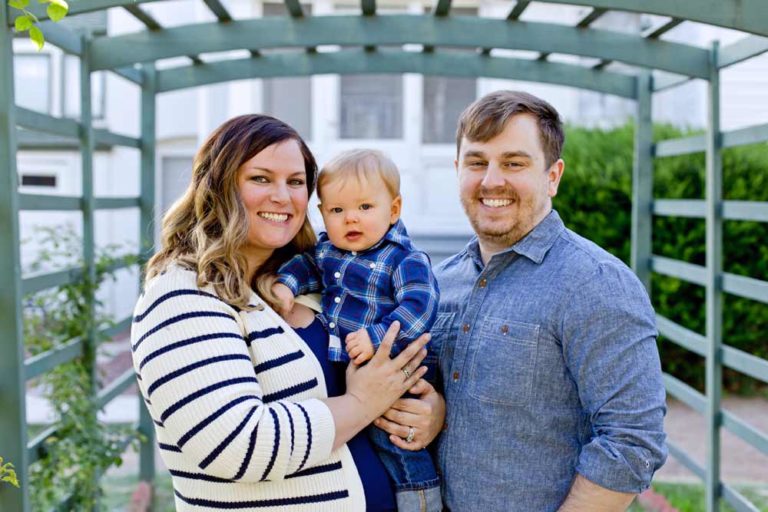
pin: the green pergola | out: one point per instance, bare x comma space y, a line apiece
299, 44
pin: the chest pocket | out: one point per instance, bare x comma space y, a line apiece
504, 362
365, 278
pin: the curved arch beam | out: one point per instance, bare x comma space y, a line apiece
468, 32
359, 62
746, 15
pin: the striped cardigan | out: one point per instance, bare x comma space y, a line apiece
235, 397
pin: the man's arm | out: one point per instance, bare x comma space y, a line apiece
586, 496
609, 344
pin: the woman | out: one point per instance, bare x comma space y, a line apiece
240, 403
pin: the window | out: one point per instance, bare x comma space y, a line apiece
176, 175
38, 180
70, 89
444, 101
290, 100
371, 107
32, 81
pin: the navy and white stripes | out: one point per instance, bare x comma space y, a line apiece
236, 397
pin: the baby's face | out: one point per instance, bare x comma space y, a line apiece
357, 214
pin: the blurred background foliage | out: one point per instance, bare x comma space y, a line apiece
595, 200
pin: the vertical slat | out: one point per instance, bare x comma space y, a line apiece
714, 295
87, 146
642, 182
13, 437
518, 9
146, 239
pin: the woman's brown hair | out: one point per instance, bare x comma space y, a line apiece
206, 228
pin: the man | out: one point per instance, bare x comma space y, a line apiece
547, 343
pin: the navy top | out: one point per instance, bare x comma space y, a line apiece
379, 493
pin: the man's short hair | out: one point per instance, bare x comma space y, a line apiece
363, 165
486, 118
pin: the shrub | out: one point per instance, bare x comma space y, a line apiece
595, 201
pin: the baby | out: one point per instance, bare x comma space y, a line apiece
370, 275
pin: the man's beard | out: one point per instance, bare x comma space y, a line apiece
508, 232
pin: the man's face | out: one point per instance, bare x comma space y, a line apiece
506, 188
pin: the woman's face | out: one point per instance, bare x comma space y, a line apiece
273, 189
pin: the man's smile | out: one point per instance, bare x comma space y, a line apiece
496, 203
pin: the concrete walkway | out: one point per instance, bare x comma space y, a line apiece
741, 463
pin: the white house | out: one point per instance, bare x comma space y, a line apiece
411, 117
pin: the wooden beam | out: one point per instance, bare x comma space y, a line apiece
396, 61
518, 10
395, 30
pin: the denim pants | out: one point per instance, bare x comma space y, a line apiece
412, 472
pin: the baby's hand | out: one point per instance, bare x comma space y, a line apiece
359, 346
284, 297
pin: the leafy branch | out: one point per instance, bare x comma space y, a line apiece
27, 21
8, 474
82, 448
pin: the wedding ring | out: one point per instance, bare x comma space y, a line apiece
406, 372
411, 434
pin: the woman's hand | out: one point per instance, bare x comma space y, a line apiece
425, 415
383, 380
373, 388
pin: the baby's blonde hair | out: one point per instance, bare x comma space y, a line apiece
362, 164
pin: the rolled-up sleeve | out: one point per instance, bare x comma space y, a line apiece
609, 343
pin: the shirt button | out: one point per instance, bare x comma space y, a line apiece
337, 275
482, 283
354, 253
504, 329
372, 265
455, 376
337, 299
331, 325
465, 328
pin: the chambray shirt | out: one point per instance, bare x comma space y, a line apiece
368, 289
549, 366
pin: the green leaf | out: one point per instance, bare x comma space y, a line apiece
57, 9
23, 23
36, 35
18, 4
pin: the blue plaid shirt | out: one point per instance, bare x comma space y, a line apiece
368, 289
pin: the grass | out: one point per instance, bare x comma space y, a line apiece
690, 497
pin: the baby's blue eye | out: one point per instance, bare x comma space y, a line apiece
366, 206
336, 210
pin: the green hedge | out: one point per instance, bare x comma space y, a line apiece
595, 201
